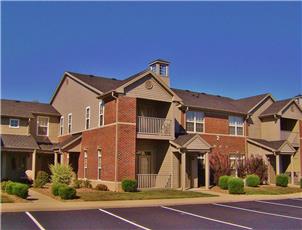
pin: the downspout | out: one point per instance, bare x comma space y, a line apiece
116, 143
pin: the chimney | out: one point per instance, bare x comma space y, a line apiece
161, 68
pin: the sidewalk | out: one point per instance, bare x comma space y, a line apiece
45, 203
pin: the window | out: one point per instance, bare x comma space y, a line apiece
14, 123
195, 121
236, 162
99, 163
101, 113
153, 68
42, 126
236, 126
87, 117
62, 125
85, 164
163, 70
69, 123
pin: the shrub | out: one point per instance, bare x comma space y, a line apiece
86, 183
41, 180
101, 187
61, 174
220, 165
20, 190
256, 165
129, 185
55, 188
252, 180
236, 186
77, 183
67, 192
9, 187
3, 185
223, 182
282, 180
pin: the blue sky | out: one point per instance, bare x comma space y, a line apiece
235, 49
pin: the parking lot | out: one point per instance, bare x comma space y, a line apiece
276, 214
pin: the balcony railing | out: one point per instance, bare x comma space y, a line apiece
154, 126
292, 137
153, 181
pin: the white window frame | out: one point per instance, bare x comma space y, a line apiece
61, 131
14, 119
236, 125
99, 163
101, 104
85, 164
87, 118
195, 122
69, 123
42, 126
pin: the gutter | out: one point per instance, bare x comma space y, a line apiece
116, 142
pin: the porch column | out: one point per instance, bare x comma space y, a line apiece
56, 158
207, 170
277, 164
67, 158
183, 171
292, 169
33, 164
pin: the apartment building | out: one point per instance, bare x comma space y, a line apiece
141, 128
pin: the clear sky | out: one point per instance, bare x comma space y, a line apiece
234, 49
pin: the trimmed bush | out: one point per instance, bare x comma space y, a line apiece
236, 186
101, 187
129, 185
9, 187
20, 190
41, 180
61, 174
282, 180
252, 180
86, 183
67, 193
3, 185
77, 183
223, 182
55, 188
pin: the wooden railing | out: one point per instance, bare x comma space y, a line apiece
153, 181
154, 126
292, 137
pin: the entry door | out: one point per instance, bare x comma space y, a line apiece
144, 166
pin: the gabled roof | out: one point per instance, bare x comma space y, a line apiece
67, 142
190, 141
277, 107
274, 146
18, 142
249, 103
208, 101
25, 109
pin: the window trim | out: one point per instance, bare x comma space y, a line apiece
195, 122
237, 126
87, 118
61, 130
99, 151
14, 127
85, 166
43, 126
69, 122
101, 103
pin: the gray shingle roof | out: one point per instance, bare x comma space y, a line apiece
183, 139
275, 108
18, 141
26, 109
271, 144
246, 104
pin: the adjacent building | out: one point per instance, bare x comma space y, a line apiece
140, 127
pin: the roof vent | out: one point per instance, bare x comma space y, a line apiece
187, 90
17, 101
114, 79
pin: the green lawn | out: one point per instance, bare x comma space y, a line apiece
5, 199
142, 195
271, 190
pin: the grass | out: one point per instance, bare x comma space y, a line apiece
142, 195
6, 199
271, 190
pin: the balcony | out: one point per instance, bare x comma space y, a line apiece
154, 127
292, 137
153, 181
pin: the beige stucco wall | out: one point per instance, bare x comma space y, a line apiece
292, 111
270, 129
256, 150
254, 127
74, 98
22, 130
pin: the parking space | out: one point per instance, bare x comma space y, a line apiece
277, 214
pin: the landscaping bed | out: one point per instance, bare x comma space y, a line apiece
6, 198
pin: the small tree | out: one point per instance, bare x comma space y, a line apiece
256, 165
220, 165
61, 174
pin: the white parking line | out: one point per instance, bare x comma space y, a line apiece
274, 203
251, 210
121, 218
206, 218
35, 221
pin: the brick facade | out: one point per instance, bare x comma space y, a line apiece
216, 123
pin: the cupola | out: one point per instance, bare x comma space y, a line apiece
161, 68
